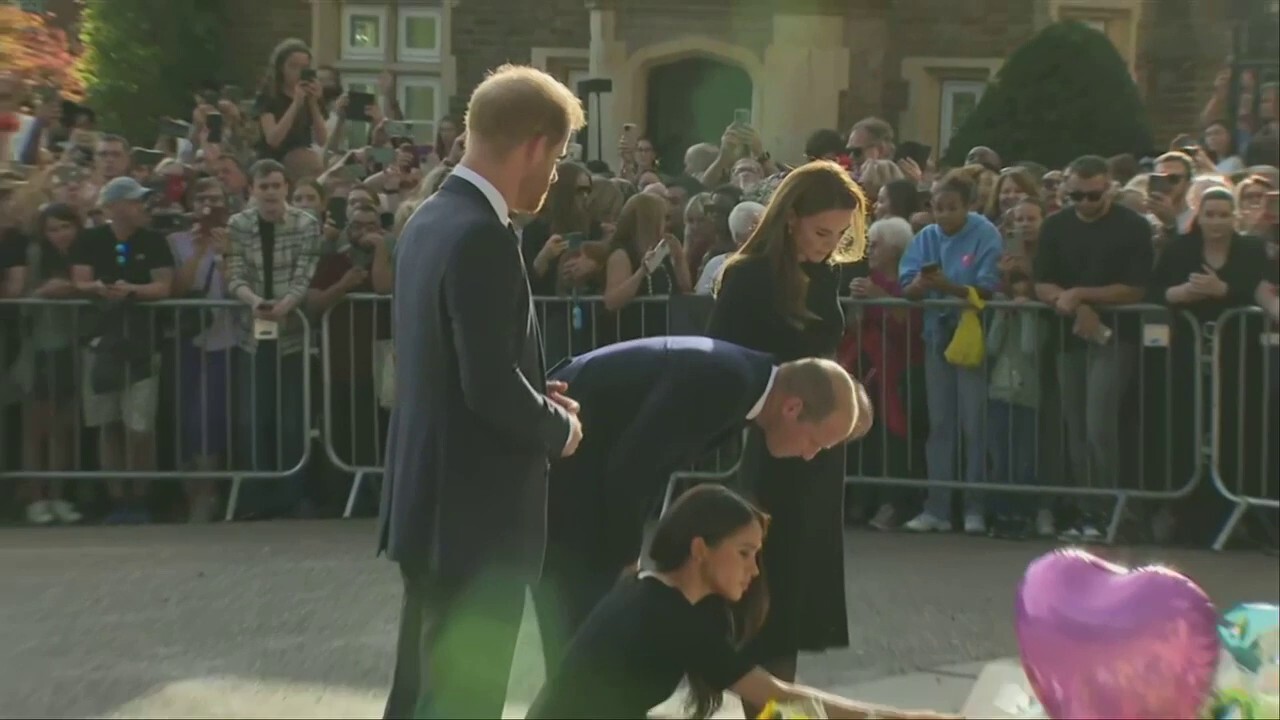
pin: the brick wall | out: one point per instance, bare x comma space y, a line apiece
488, 33
254, 27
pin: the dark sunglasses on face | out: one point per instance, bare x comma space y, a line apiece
1091, 196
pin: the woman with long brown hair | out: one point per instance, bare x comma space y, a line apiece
639, 267
654, 628
780, 294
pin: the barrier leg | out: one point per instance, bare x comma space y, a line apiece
1117, 514
233, 498
351, 496
670, 494
1221, 541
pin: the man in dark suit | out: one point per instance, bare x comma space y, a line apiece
465, 494
653, 406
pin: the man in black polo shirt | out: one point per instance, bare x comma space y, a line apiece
123, 261
1093, 253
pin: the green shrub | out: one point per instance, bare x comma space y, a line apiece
146, 59
1064, 93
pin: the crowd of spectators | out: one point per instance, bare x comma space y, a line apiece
264, 215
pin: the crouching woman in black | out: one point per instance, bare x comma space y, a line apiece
670, 623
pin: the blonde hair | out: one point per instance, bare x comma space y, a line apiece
516, 104
812, 188
644, 215
881, 172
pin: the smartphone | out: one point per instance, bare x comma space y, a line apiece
308, 75
659, 255
1159, 183
930, 268
742, 116
144, 157
174, 128
213, 121
399, 129
1189, 150
358, 104
384, 156
212, 217
912, 150
574, 240
336, 212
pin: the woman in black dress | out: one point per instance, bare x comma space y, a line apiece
780, 294
671, 623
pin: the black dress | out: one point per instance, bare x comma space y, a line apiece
632, 652
804, 553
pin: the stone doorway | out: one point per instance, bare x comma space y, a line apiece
692, 100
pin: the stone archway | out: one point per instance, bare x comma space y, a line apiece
691, 100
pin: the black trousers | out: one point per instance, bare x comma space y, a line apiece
457, 640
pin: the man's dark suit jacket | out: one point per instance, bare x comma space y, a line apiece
472, 431
649, 407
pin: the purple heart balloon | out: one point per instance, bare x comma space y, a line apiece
1100, 641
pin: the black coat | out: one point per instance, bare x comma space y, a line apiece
472, 431
650, 407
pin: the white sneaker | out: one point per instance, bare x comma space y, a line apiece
974, 524
1085, 533
1044, 523
39, 513
65, 512
883, 519
924, 522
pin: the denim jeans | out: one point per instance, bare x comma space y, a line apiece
957, 400
1011, 430
270, 427
1092, 380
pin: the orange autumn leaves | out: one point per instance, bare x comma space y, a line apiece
37, 51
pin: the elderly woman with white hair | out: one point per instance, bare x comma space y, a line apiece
742, 222
881, 345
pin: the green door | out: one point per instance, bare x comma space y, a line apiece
692, 101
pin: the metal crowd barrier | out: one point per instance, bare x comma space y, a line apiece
1244, 450
176, 410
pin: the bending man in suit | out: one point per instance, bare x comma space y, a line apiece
465, 494
654, 406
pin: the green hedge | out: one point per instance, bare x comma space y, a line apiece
1064, 93
145, 59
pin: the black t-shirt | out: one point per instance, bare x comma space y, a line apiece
267, 232
1115, 249
632, 652
299, 135
130, 260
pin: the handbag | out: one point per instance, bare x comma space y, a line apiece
968, 346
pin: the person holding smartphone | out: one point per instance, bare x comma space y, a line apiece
290, 109
643, 262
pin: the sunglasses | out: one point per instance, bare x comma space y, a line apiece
1091, 196
122, 254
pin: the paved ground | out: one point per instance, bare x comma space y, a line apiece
297, 619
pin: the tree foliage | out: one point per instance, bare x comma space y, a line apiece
145, 59
37, 51
1064, 93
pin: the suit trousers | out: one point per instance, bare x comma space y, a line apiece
574, 580
456, 644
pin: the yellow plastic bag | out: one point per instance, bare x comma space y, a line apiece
804, 710
968, 345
